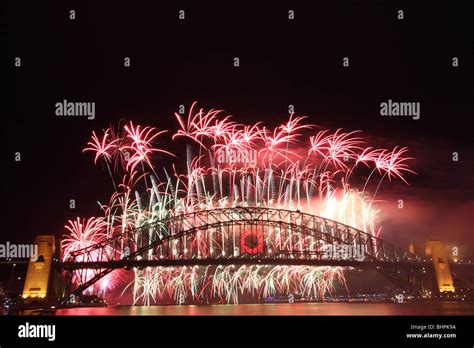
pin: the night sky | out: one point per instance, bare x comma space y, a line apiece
282, 62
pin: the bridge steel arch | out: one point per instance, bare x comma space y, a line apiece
246, 235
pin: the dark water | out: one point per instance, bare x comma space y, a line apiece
448, 308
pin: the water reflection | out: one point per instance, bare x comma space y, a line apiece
284, 309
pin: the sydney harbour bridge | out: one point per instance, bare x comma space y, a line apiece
247, 236
235, 236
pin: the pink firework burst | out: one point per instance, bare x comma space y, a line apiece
293, 125
342, 146
141, 144
83, 233
319, 143
198, 125
103, 148
273, 145
393, 163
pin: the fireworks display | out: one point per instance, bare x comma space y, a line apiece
295, 166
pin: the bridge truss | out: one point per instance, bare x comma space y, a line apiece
246, 235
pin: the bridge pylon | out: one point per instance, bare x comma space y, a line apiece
435, 249
43, 283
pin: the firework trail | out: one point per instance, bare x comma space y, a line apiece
229, 164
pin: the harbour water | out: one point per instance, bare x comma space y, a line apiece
389, 309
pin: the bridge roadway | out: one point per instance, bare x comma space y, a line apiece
125, 263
